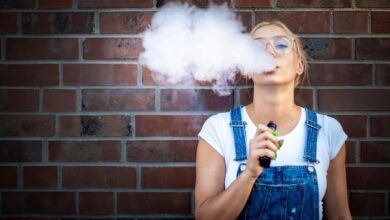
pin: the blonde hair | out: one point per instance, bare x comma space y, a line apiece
298, 45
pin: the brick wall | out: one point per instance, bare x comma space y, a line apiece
86, 132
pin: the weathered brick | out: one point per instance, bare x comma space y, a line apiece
350, 152
84, 151
339, 75
197, 3
96, 202
327, 48
100, 74
314, 4
168, 125
372, 3
372, 48
343, 24
298, 21
95, 125
118, 99
369, 203
382, 74
58, 23
17, 4
20, 151
197, 100
98, 177
154, 202
380, 22
115, 3
9, 176
254, 4
54, 4
124, 22
353, 125
112, 48
26, 125
8, 22
59, 100
39, 202
375, 151
161, 151
168, 177
360, 178
380, 126
29, 75
19, 100
41, 48
354, 100
40, 177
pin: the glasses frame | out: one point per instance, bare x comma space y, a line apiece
270, 41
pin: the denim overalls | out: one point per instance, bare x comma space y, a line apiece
281, 192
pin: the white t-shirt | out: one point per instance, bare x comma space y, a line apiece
219, 134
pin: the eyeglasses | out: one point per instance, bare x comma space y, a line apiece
281, 44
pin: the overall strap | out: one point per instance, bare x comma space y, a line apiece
239, 133
311, 137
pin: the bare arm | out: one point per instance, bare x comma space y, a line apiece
212, 201
336, 201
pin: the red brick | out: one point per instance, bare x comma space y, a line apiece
59, 100
118, 99
39, 202
41, 48
168, 177
169, 125
154, 202
327, 48
314, 4
254, 4
372, 48
369, 203
124, 22
354, 100
343, 24
161, 151
27, 218
351, 152
380, 22
375, 152
340, 75
197, 3
115, 3
29, 75
98, 177
19, 100
196, 100
58, 23
112, 48
380, 126
372, 3
298, 21
353, 125
96, 202
20, 151
84, 151
17, 4
26, 125
8, 22
375, 178
100, 74
95, 125
9, 176
54, 4
246, 20
40, 177
382, 74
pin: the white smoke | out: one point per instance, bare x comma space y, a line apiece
185, 43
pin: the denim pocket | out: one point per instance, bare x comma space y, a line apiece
275, 202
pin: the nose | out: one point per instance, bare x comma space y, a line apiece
270, 49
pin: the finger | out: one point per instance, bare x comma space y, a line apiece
264, 153
265, 136
265, 144
262, 128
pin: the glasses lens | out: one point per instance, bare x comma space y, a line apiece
282, 44
262, 43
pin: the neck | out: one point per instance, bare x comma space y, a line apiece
276, 104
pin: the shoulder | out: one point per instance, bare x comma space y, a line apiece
328, 123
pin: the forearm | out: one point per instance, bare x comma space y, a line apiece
229, 203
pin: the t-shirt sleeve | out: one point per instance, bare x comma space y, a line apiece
212, 134
336, 136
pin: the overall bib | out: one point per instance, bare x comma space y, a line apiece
281, 192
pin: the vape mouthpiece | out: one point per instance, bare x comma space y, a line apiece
272, 125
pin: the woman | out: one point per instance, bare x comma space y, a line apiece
310, 166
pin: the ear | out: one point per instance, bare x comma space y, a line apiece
300, 67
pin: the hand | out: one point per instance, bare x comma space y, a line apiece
262, 144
